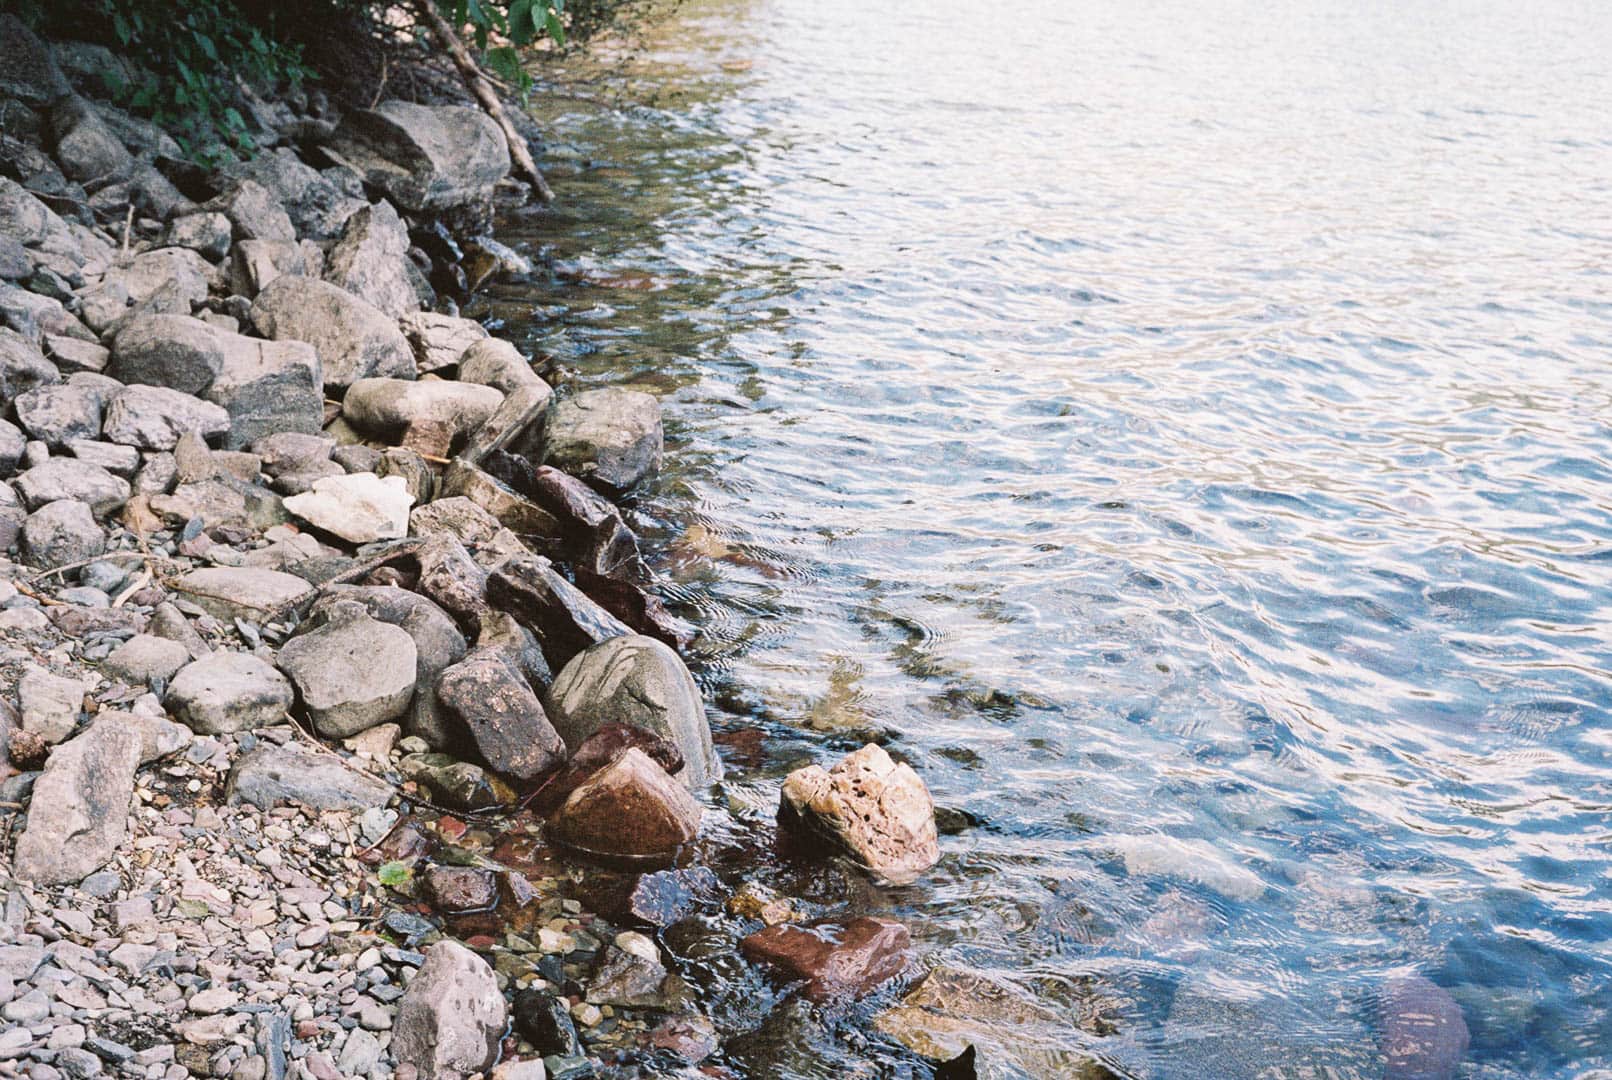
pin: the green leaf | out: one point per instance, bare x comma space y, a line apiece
394, 874
522, 23
556, 29
505, 62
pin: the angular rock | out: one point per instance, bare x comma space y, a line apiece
179, 274
292, 451
22, 366
516, 427
870, 807
596, 539
58, 414
458, 889
439, 341
80, 806
353, 339
272, 775
253, 213
413, 469
146, 658
34, 315
845, 962
317, 207
255, 263
119, 460
351, 673
455, 516
638, 681
599, 750
69, 354
175, 351
228, 691
452, 1017
563, 619
629, 810
358, 507
268, 387
371, 260
61, 533
34, 224
610, 438
953, 1009
154, 417
497, 363
430, 416
207, 234
248, 593
85, 147
28, 70
449, 576
545, 1021
669, 896
13, 445
490, 698
634, 606
79, 481
509, 508
425, 158
628, 981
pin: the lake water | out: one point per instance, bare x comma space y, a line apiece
1181, 430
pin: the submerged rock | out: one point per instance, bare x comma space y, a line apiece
835, 961
1424, 1034
630, 809
877, 811
80, 805
452, 1016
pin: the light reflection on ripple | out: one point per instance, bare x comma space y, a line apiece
1187, 421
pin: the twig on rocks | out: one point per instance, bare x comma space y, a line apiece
128, 224
144, 556
48, 601
134, 586
403, 550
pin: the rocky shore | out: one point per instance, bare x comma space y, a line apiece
332, 675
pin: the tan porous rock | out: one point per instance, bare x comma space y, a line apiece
874, 809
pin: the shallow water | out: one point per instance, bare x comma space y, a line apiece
1183, 434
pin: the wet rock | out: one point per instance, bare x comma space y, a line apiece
61, 533
154, 417
359, 507
600, 749
175, 351
955, 1008
509, 508
86, 148
207, 234
868, 806
835, 961
610, 438
351, 673
630, 809
50, 704
1149, 854
458, 889
248, 593
425, 158
78, 481
668, 896
441, 341
80, 806
1424, 1034
59, 414
636, 608
354, 340
28, 70
490, 698
497, 363
227, 692
430, 416
452, 1017
317, 207
597, 541
268, 387
629, 981
635, 680
692, 1038
458, 785
563, 619
147, 658
545, 1021
272, 775
1242, 1029
371, 260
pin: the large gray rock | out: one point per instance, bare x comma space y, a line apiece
34, 224
80, 805
611, 438
351, 673
255, 263
317, 207
426, 158
179, 274
635, 680
175, 351
873, 808
206, 233
228, 691
69, 478
272, 775
452, 1017
354, 340
358, 507
243, 592
564, 620
254, 213
430, 416
33, 315
490, 698
59, 413
86, 148
61, 533
28, 70
268, 387
154, 418
440, 341
371, 261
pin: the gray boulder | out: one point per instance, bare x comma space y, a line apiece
351, 673
12, 446
86, 148
175, 351
243, 592
371, 261
154, 417
494, 362
80, 805
59, 413
254, 213
354, 339
61, 533
489, 697
35, 225
268, 387
228, 691
255, 263
452, 1017
317, 207
121, 460
179, 274
638, 681
431, 416
426, 159
611, 438
273, 775
69, 478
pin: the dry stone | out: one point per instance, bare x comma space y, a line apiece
80, 805
351, 673
452, 1017
874, 809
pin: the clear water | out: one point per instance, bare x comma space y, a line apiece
1184, 432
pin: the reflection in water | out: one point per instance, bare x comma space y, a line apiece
1182, 433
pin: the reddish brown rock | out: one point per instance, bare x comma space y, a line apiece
636, 607
456, 889
407, 840
564, 620
1424, 1035
631, 810
596, 539
491, 699
875, 810
599, 750
835, 961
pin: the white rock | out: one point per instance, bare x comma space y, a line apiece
358, 507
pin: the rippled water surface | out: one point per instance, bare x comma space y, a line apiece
1181, 430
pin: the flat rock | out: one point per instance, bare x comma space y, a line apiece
455, 516
630, 810
228, 691
80, 806
207, 233
870, 807
146, 658
449, 576
431, 416
154, 417
490, 697
638, 681
952, 1009
610, 438
358, 507
273, 775
69, 478
452, 1017
351, 673
439, 341
353, 338
242, 592
835, 961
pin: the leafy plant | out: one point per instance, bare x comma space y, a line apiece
518, 24
395, 874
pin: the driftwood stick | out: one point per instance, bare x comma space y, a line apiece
476, 80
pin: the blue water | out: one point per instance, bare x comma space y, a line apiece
1183, 420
